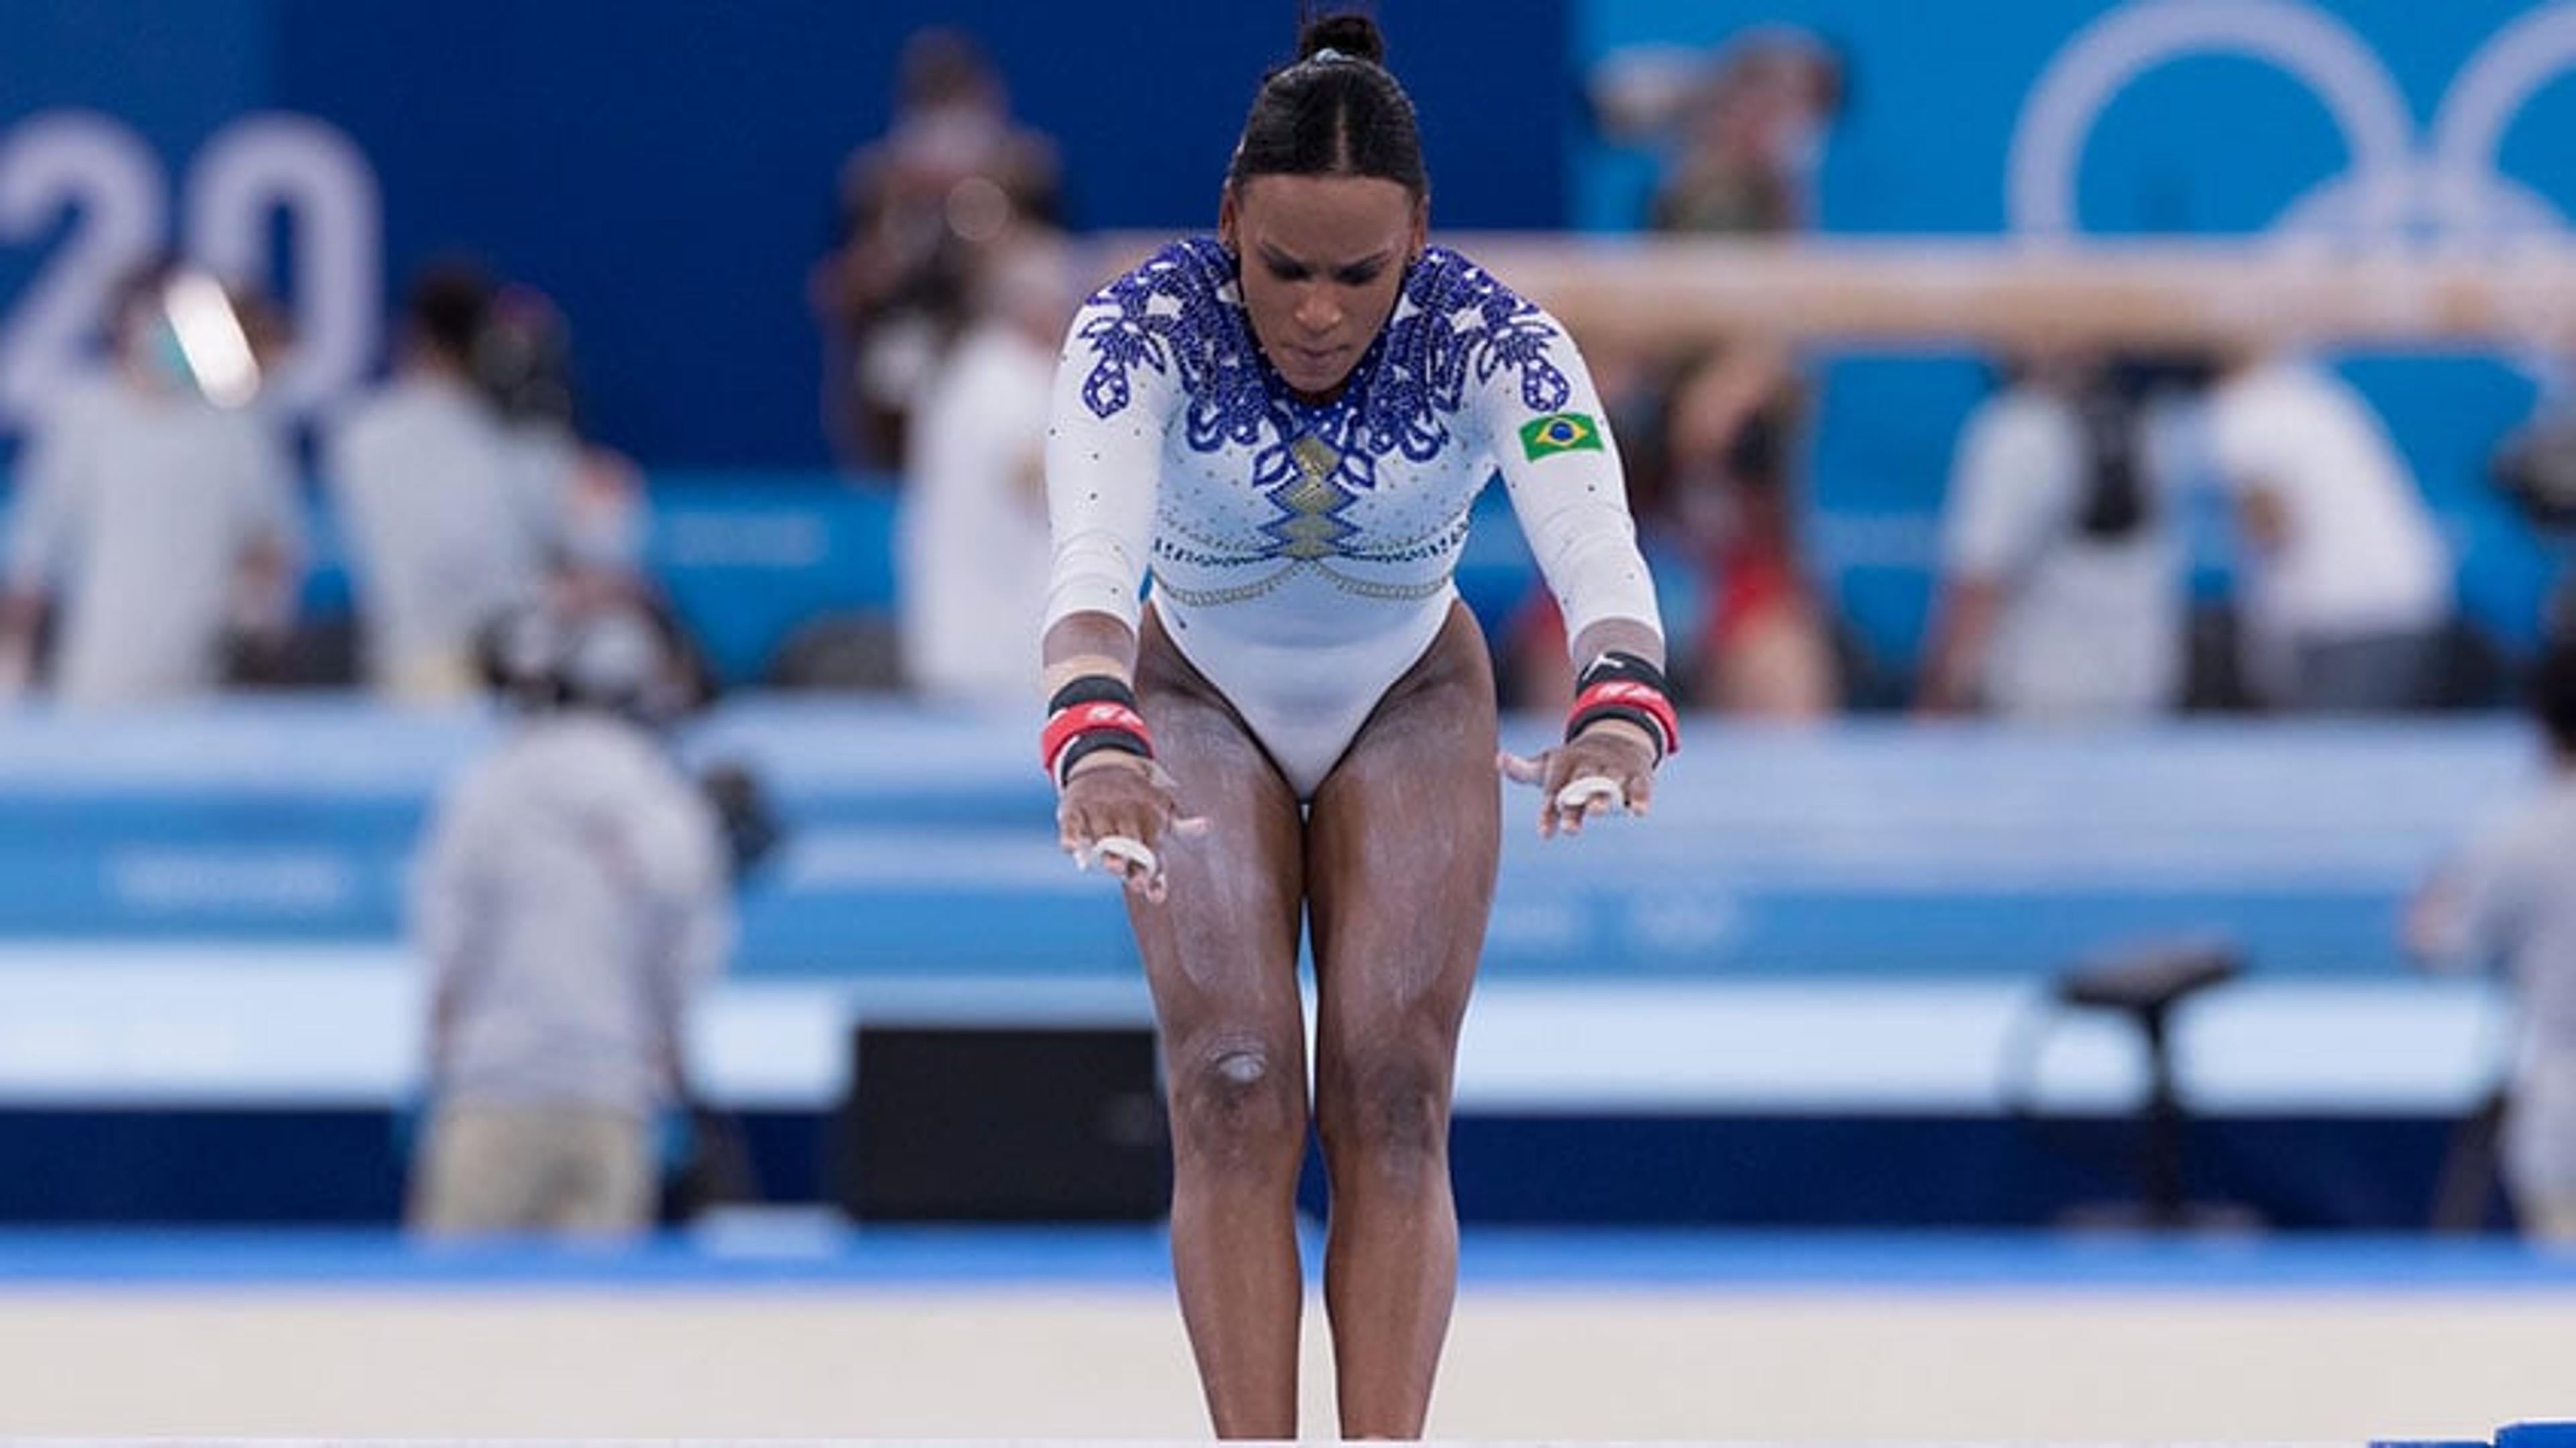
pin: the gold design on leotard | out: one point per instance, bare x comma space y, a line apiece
1310, 497
1312, 528
1216, 552
1396, 592
1315, 457
1310, 536
1246, 592
1305, 533
1239, 593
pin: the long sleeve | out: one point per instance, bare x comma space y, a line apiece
1104, 454
1561, 467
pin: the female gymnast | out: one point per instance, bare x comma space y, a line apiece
1285, 425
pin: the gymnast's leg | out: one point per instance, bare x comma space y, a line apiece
1221, 954
1402, 841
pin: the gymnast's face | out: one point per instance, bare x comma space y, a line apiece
1323, 260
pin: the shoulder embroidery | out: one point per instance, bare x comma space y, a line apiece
1455, 324
1180, 314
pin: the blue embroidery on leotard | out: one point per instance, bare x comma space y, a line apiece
1181, 313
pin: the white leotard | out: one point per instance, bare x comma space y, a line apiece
1302, 555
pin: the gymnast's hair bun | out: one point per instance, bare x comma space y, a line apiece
1349, 33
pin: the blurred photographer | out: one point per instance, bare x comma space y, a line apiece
155, 518
2061, 594
443, 531
922, 212
573, 898
2344, 583
2509, 901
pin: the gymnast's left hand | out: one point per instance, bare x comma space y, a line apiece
1606, 767
1123, 813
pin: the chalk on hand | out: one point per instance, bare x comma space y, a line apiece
1134, 851
1582, 792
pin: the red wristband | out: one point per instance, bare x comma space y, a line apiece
1626, 698
1073, 721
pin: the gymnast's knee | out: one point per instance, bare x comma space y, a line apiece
1386, 1118
1232, 1103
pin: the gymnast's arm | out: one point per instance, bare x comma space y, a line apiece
1571, 502
1102, 476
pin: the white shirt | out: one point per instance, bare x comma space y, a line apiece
2512, 902
444, 528
972, 535
2085, 626
137, 510
570, 897
2361, 556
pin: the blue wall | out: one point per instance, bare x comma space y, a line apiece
666, 168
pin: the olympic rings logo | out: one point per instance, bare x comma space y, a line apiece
2392, 190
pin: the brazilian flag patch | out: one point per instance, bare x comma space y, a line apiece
1560, 432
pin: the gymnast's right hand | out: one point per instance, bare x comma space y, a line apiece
1121, 811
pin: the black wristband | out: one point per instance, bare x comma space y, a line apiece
1654, 728
1621, 685
1115, 740
1615, 664
1092, 689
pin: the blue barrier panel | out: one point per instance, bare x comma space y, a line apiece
921, 841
